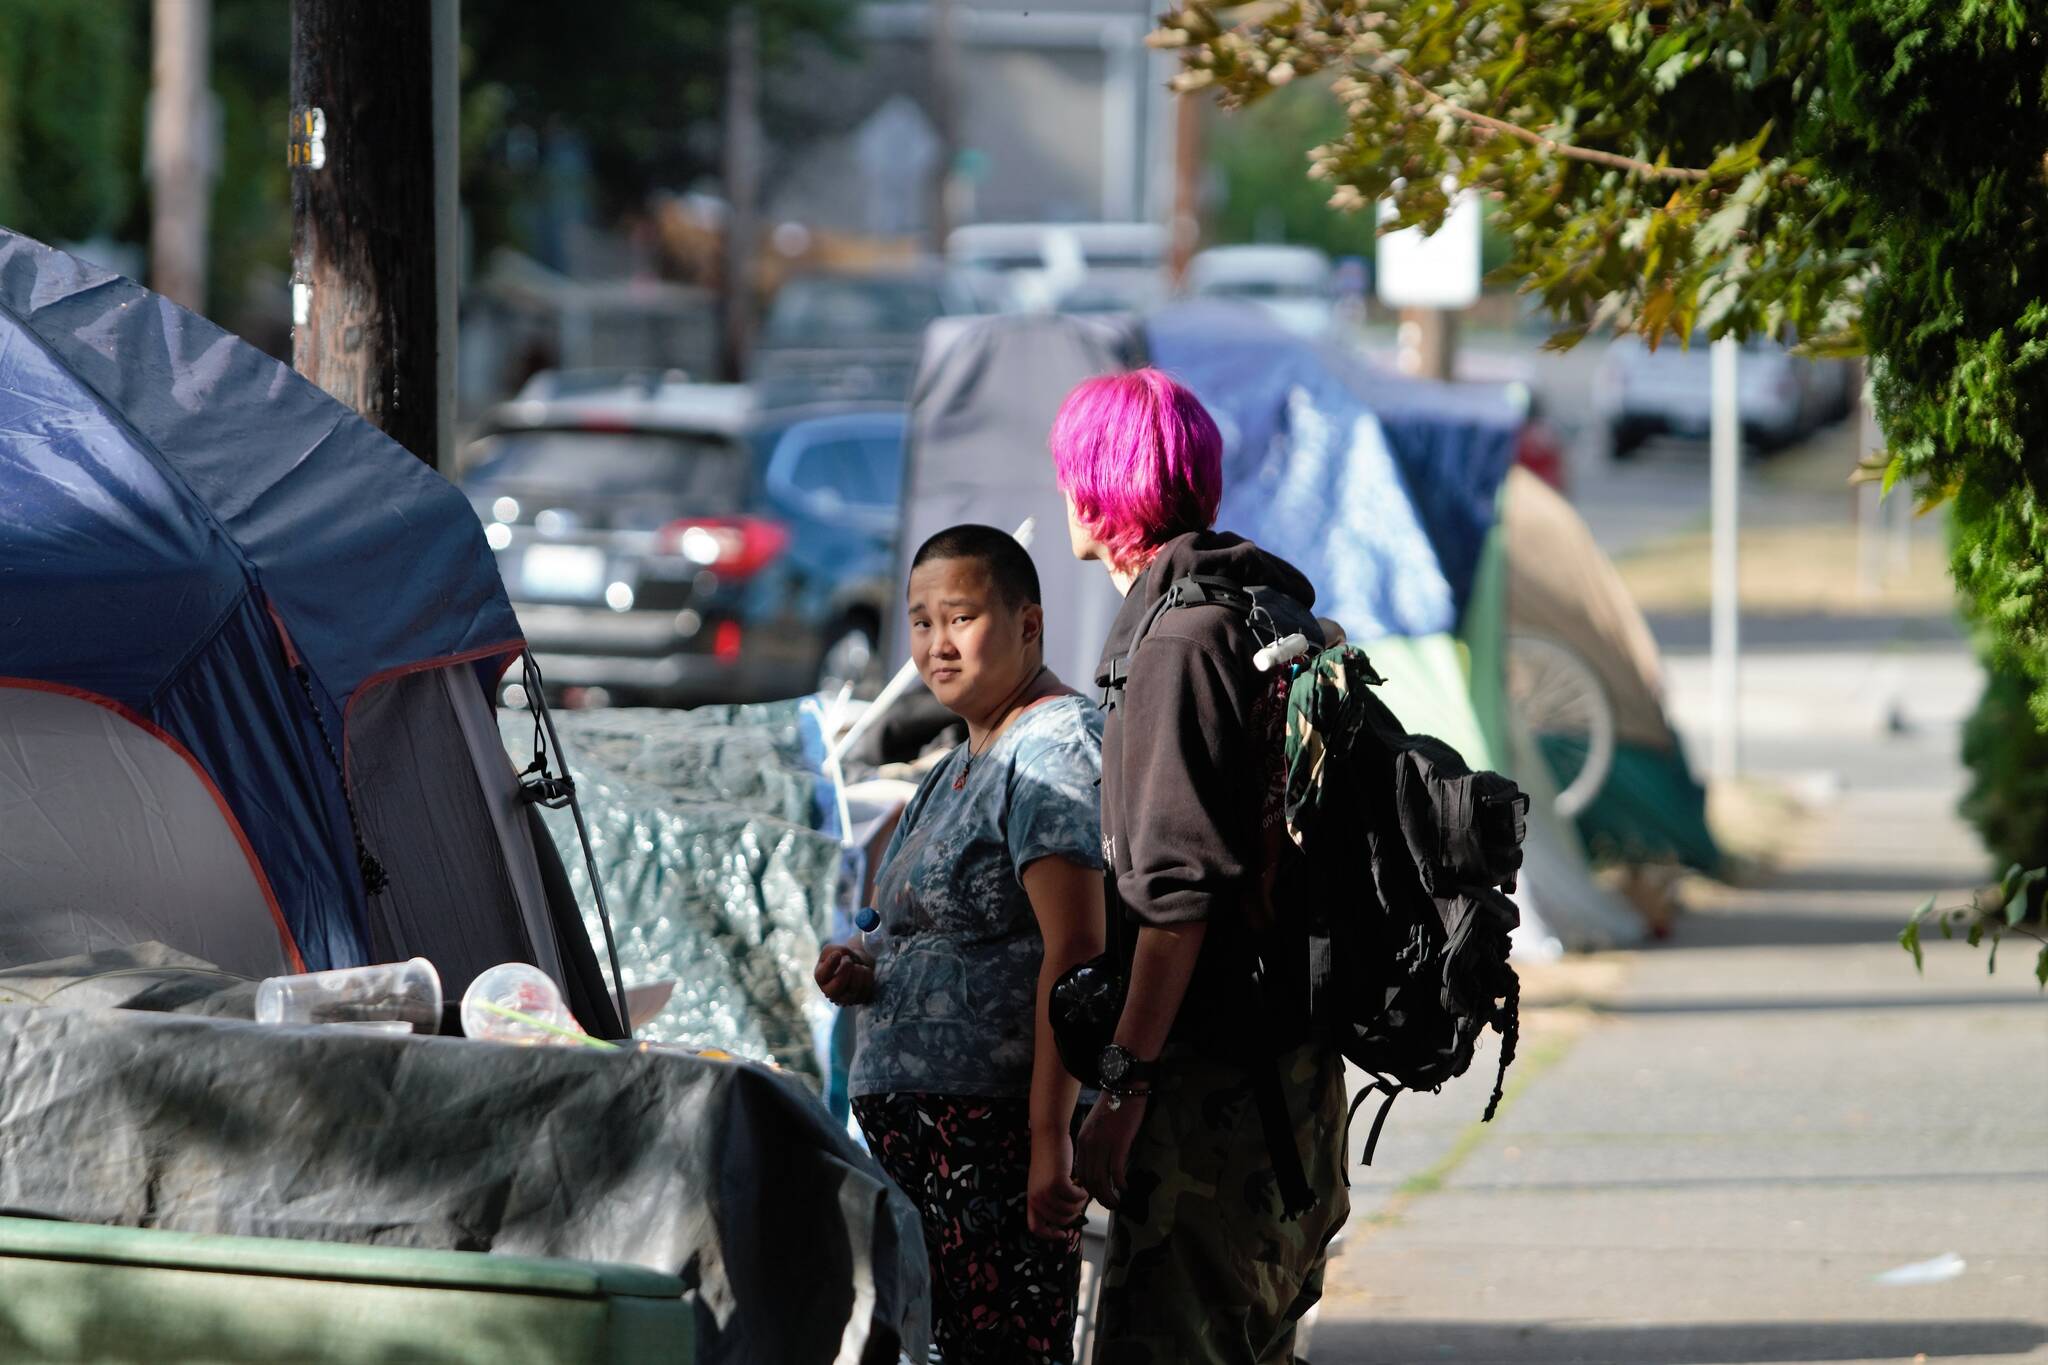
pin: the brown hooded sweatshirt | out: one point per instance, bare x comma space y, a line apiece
1182, 790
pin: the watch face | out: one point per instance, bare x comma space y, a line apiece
1115, 1061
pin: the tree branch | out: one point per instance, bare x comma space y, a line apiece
1645, 169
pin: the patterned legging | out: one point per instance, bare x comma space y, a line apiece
1000, 1296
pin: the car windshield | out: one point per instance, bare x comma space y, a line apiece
814, 312
708, 472
1260, 289
1111, 258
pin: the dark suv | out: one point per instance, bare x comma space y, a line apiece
670, 542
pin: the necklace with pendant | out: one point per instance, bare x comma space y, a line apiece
967, 768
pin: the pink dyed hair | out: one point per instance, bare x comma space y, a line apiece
1142, 460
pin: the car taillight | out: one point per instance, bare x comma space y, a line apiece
726, 641
733, 547
1538, 451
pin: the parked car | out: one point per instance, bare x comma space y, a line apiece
1292, 283
1065, 267
681, 544
840, 337
1780, 397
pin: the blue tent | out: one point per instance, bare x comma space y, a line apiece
204, 556
1381, 488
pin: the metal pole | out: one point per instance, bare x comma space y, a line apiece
1727, 496
945, 113
180, 150
1869, 503
1123, 54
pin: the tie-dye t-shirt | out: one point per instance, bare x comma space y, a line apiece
958, 950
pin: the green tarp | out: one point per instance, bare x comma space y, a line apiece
706, 829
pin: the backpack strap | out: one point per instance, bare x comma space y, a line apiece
1192, 590
1289, 1179
1372, 1141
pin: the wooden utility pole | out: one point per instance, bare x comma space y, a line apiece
1187, 185
742, 187
180, 157
367, 250
1428, 343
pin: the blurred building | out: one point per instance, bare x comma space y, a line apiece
1061, 114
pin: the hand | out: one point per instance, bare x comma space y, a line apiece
845, 974
1103, 1150
1055, 1205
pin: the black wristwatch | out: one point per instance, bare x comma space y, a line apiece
1121, 1071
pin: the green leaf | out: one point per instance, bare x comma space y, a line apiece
1991, 960
2016, 904
1976, 935
2010, 880
1909, 939
2041, 968
1894, 468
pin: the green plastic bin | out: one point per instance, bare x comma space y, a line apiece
81, 1292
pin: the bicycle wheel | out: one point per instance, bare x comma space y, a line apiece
1562, 702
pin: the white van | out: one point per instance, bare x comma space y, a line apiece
1065, 267
1290, 282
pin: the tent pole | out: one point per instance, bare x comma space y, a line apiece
536, 697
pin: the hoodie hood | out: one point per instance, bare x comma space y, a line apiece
1216, 554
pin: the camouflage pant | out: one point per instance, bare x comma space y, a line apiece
1201, 1267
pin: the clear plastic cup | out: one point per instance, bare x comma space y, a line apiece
515, 1002
405, 994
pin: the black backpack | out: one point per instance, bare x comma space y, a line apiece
1389, 931
1405, 854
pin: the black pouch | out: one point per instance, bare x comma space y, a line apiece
1088, 1000
1085, 1005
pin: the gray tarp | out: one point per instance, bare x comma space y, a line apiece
703, 827
726, 1174
986, 395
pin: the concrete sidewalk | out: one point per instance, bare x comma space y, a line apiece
1713, 1148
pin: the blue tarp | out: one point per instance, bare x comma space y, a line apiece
1455, 444
1380, 488
179, 513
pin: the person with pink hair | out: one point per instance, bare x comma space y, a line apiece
1219, 1140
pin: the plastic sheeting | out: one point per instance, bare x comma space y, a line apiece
1558, 896
727, 1175
712, 835
1455, 444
